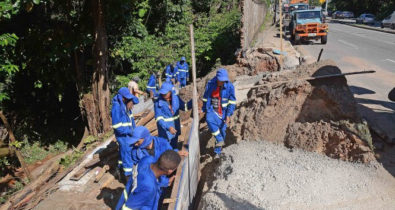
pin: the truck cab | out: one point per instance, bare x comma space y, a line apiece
307, 25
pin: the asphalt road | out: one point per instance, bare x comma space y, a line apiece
356, 49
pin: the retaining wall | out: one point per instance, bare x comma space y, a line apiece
253, 16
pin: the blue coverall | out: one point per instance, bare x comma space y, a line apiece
215, 121
170, 73
151, 85
166, 118
123, 125
143, 190
159, 147
182, 71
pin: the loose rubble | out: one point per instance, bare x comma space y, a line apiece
263, 175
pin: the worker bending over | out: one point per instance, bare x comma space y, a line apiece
219, 102
145, 188
144, 145
167, 113
182, 71
123, 125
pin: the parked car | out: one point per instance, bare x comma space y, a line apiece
366, 19
336, 14
389, 21
347, 14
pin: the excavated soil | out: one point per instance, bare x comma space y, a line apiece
318, 116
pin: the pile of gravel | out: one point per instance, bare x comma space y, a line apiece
262, 175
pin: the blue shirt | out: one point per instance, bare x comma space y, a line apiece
182, 70
143, 189
160, 145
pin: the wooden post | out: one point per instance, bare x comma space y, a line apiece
12, 139
281, 32
194, 90
195, 109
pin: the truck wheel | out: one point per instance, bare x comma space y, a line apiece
324, 39
393, 26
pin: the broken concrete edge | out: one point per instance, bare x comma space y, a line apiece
362, 26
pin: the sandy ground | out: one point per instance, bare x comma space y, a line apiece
262, 175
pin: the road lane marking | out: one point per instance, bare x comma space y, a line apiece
390, 60
349, 44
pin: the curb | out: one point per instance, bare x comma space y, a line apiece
364, 27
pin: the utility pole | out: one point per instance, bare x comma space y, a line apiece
326, 7
281, 31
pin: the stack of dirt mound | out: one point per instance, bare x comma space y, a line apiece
319, 115
256, 60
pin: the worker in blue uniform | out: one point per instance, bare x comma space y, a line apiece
123, 125
151, 86
144, 189
167, 113
182, 71
170, 73
219, 103
143, 145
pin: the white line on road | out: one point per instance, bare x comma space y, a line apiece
349, 44
390, 60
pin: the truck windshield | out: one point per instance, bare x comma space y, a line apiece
308, 15
298, 7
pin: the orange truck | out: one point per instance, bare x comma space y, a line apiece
299, 2
307, 25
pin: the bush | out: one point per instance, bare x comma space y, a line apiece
33, 152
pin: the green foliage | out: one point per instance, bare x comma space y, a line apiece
33, 152
7, 69
71, 159
89, 139
380, 8
216, 38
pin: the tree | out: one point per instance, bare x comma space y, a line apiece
100, 89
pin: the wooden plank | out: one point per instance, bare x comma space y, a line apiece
17, 152
169, 200
146, 119
174, 191
80, 173
107, 182
101, 173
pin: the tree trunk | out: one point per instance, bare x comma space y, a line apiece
100, 90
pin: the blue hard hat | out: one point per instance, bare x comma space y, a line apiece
222, 75
183, 58
124, 92
140, 132
166, 87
